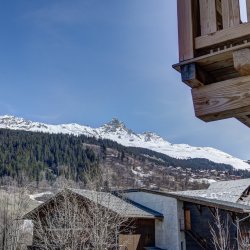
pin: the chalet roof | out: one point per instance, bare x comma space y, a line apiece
226, 205
118, 205
226, 195
230, 191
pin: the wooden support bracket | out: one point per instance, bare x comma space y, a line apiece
221, 100
194, 76
242, 61
245, 119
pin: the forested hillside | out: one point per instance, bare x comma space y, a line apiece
34, 154
41, 155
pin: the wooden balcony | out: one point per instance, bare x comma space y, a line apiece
214, 57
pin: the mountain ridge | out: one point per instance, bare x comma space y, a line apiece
116, 130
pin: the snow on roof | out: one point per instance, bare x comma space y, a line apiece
230, 191
202, 197
118, 205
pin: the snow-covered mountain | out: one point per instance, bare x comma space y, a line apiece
117, 131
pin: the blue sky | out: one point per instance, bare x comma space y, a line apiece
87, 61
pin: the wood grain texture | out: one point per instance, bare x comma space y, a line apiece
208, 20
222, 36
212, 58
185, 29
222, 100
129, 242
245, 119
242, 61
248, 10
230, 13
187, 215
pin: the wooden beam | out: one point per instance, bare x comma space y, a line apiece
222, 100
194, 76
242, 61
185, 30
224, 35
230, 13
213, 57
245, 119
208, 18
248, 10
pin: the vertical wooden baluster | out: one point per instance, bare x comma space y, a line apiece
208, 18
185, 29
230, 13
248, 10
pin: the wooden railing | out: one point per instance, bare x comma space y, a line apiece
214, 57
208, 24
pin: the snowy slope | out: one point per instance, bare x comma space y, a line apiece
117, 131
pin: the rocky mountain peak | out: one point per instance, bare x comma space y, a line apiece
150, 136
116, 125
116, 130
13, 122
9, 120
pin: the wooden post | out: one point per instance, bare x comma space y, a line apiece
208, 17
185, 29
230, 13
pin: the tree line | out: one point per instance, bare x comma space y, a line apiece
42, 155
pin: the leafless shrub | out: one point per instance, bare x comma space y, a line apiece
243, 234
70, 221
14, 202
244, 239
220, 232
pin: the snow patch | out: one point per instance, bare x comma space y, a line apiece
35, 196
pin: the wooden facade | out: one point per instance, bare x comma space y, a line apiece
214, 57
135, 233
198, 235
143, 235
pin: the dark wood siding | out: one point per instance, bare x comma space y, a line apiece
200, 219
146, 228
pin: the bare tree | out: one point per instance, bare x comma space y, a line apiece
14, 202
220, 232
75, 221
60, 225
243, 235
244, 240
